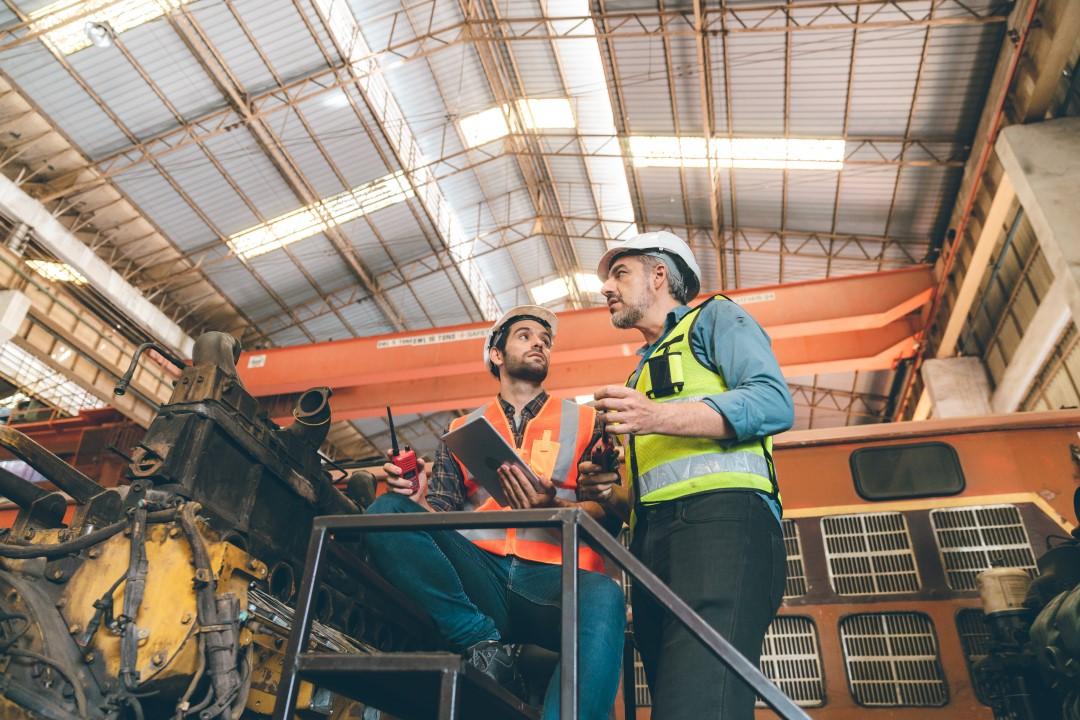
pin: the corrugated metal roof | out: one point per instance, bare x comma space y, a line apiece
486, 189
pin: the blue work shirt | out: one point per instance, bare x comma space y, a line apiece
731, 343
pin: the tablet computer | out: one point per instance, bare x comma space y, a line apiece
480, 447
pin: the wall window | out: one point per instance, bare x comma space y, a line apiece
892, 660
890, 472
869, 554
971, 539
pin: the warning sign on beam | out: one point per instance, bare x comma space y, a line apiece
432, 338
754, 298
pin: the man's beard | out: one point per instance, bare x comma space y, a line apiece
522, 370
630, 314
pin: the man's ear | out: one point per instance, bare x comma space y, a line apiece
659, 276
495, 355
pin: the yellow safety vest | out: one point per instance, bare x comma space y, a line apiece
665, 467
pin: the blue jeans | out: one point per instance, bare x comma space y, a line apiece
474, 595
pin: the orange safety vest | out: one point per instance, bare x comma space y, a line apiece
553, 443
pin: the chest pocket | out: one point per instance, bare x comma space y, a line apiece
542, 455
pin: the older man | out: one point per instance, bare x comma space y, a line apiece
699, 414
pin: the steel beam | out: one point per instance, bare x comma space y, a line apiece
815, 326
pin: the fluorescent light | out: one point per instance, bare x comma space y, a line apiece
329, 212
56, 271
483, 127
768, 153
39, 380
63, 24
535, 113
550, 291
588, 282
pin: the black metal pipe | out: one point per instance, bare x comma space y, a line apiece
19, 490
48, 507
55, 470
219, 349
312, 416
122, 386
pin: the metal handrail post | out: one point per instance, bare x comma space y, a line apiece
568, 696
288, 692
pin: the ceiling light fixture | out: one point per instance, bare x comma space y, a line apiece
757, 153
56, 271
102, 20
312, 219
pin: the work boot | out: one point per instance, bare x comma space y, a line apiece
496, 661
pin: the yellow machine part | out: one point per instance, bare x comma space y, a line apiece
166, 620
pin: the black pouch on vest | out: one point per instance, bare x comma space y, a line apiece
665, 375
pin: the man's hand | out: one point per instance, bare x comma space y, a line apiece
397, 484
520, 491
595, 484
625, 411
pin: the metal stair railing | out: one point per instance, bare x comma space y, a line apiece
571, 522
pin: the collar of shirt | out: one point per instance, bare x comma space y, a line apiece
670, 321
531, 410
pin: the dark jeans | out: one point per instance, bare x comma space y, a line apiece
723, 553
474, 595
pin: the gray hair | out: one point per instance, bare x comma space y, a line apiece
676, 282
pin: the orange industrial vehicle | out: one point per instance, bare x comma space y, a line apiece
888, 529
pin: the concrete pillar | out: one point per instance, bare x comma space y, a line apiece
1042, 161
1043, 164
957, 387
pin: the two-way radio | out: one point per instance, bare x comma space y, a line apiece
406, 460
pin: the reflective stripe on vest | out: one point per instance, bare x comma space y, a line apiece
668, 467
572, 425
700, 465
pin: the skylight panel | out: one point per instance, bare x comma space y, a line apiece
70, 19
535, 113
546, 113
550, 291
588, 282
762, 153
484, 127
56, 271
329, 212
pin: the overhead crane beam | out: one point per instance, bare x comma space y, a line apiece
861, 322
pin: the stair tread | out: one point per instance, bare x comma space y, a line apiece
407, 685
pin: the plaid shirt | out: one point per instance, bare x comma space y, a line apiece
446, 486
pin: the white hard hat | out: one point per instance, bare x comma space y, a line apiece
659, 241
545, 316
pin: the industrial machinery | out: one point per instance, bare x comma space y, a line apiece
168, 597
1032, 669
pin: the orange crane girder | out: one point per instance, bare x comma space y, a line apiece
861, 322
